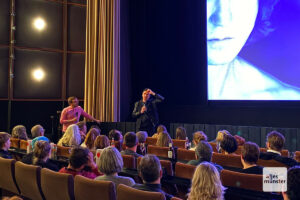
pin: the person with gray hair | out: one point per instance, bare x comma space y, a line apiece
142, 136
37, 131
19, 132
204, 153
110, 164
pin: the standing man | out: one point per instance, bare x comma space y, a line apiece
71, 114
145, 111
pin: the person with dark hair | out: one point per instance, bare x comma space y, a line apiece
228, 144
150, 171
81, 162
131, 142
101, 142
71, 114
145, 111
231, 25
90, 139
4, 145
204, 153
293, 184
19, 132
180, 133
116, 138
249, 158
275, 142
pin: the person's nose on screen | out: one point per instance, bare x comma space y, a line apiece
222, 14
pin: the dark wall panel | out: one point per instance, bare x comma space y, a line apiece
4, 22
75, 75
76, 28
24, 84
3, 115
3, 72
26, 35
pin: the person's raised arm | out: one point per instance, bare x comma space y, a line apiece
158, 97
86, 115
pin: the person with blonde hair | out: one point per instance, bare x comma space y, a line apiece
90, 139
219, 138
180, 133
19, 132
161, 128
164, 140
4, 145
111, 163
71, 137
206, 183
197, 137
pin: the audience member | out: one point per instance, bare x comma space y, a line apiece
82, 129
150, 171
90, 139
39, 138
197, 137
206, 183
101, 142
117, 136
274, 144
164, 140
249, 158
203, 153
71, 137
180, 133
240, 140
96, 127
4, 145
219, 138
228, 144
161, 128
111, 163
81, 162
37, 131
19, 132
142, 136
293, 184
28, 158
131, 142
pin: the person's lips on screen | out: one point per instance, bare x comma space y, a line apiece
219, 42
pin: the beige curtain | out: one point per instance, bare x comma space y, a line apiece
102, 63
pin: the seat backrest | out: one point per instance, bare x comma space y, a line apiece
7, 174
63, 151
239, 150
227, 160
28, 178
158, 151
124, 193
179, 143
214, 146
270, 163
87, 189
175, 198
242, 180
55, 185
167, 165
151, 141
184, 170
297, 156
183, 154
23, 144
15, 143
129, 161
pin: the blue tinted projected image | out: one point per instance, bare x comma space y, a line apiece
253, 49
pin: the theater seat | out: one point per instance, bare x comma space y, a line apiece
179, 143
241, 180
63, 151
227, 160
124, 193
129, 162
183, 154
175, 198
57, 186
214, 146
7, 175
270, 163
15, 143
28, 178
158, 151
239, 150
23, 144
184, 170
151, 141
87, 189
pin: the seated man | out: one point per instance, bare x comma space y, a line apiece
249, 157
229, 144
150, 171
4, 145
204, 153
293, 184
81, 162
274, 144
131, 142
142, 136
37, 131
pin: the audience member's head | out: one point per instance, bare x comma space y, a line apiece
96, 127
71, 137
203, 151
73, 101
4, 141
142, 136
115, 134
19, 132
275, 141
180, 133
206, 183
79, 158
163, 139
293, 184
150, 169
199, 136
110, 161
41, 152
240, 140
90, 138
220, 135
101, 142
82, 127
130, 140
161, 128
37, 131
228, 144
250, 153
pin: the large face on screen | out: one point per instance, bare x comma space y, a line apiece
229, 24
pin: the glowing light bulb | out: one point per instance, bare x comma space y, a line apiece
39, 24
38, 74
